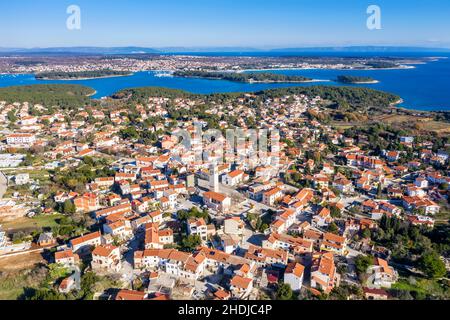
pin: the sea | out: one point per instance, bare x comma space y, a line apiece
424, 87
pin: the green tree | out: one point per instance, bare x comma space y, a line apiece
431, 264
366, 233
333, 228
88, 281
68, 207
335, 212
284, 292
191, 242
44, 294
12, 116
362, 263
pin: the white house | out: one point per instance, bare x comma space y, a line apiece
86, 242
24, 140
21, 179
217, 201
106, 258
293, 276
234, 178
198, 227
381, 274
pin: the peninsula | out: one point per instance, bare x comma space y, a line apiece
253, 77
81, 75
356, 80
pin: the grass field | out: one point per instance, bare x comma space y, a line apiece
423, 286
31, 223
15, 274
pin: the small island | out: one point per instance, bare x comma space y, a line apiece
356, 80
253, 77
81, 75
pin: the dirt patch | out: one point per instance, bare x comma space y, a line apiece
21, 262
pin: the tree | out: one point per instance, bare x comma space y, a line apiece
88, 281
335, 212
68, 207
366, 233
57, 271
362, 263
284, 292
431, 264
43, 294
191, 242
12, 116
333, 228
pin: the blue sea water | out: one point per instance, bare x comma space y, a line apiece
426, 87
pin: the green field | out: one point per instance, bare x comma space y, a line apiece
423, 286
38, 222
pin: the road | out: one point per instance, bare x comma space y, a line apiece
3, 184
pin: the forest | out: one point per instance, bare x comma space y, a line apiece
241, 77
57, 75
63, 95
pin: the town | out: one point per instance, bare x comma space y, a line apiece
20, 63
117, 207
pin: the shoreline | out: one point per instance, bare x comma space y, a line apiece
338, 69
360, 82
252, 82
306, 81
80, 79
92, 94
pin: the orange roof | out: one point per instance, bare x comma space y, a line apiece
85, 238
240, 282
384, 265
235, 173
272, 192
130, 295
214, 196
64, 254
295, 268
326, 264
221, 294
104, 251
333, 238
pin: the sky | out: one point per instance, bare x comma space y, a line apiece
224, 23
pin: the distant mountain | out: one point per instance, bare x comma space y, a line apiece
174, 50
207, 49
81, 50
362, 49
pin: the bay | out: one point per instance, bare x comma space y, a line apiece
425, 87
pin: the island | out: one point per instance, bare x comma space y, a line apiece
81, 75
356, 80
251, 77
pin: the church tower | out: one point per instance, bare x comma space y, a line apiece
214, 177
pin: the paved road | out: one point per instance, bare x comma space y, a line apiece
3, 184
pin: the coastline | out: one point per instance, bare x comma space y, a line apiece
92, 94
252, 81
360, 82
338, 69
306, 81
77, 79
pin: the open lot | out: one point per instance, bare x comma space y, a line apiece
15, 274
42, 221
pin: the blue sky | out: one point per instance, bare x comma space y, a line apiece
250, 23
